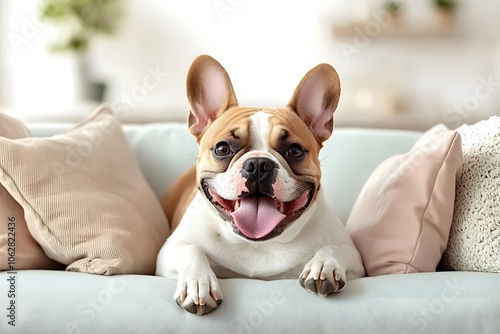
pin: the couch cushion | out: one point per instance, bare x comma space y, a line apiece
401, 219
474, 242
18, 249
86, 201
349, 157
157, 146
12, 128
442, 302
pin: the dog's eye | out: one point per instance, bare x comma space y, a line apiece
295, 151
222, 149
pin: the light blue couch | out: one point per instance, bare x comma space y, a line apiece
69, 302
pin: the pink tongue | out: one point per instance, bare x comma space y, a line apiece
257, 216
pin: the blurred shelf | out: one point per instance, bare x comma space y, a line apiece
343, 118
79, 111
442, 25
402, 121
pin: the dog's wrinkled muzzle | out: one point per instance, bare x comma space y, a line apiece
259, 210
260, 174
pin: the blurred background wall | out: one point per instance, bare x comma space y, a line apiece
403, 64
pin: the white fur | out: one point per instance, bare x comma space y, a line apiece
281, 257
230, 184
204, 247
259, 130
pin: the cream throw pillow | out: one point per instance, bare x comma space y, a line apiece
18, 249
401, 219
474, 243
85, 199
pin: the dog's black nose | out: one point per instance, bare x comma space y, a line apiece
258, 166
260, 173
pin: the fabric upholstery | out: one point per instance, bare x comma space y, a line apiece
18, 249
474, 242
85, 199
401, 220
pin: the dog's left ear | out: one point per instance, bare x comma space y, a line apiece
315, 99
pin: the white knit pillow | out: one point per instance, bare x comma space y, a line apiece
474, 242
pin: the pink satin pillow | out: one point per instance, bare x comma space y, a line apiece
401, 219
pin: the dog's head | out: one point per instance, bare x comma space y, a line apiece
259, 168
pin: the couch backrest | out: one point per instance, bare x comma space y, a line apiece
165, 150
349, 157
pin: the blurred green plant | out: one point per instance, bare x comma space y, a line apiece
393, 6
79, 21
447, 5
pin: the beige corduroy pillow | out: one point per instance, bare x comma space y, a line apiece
18, 249
86, 201
401, 220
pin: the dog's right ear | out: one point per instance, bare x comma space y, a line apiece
209, 91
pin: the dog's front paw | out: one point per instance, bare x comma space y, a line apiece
198, 292
322, 277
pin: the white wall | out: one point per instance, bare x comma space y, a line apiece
266, 46
34, 80
431, 77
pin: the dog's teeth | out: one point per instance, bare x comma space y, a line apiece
281, 207
236, 205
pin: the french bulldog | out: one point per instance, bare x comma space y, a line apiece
253, 204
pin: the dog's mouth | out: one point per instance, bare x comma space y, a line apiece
256, 216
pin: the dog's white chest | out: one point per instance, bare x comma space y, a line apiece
263, 261
230, 254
